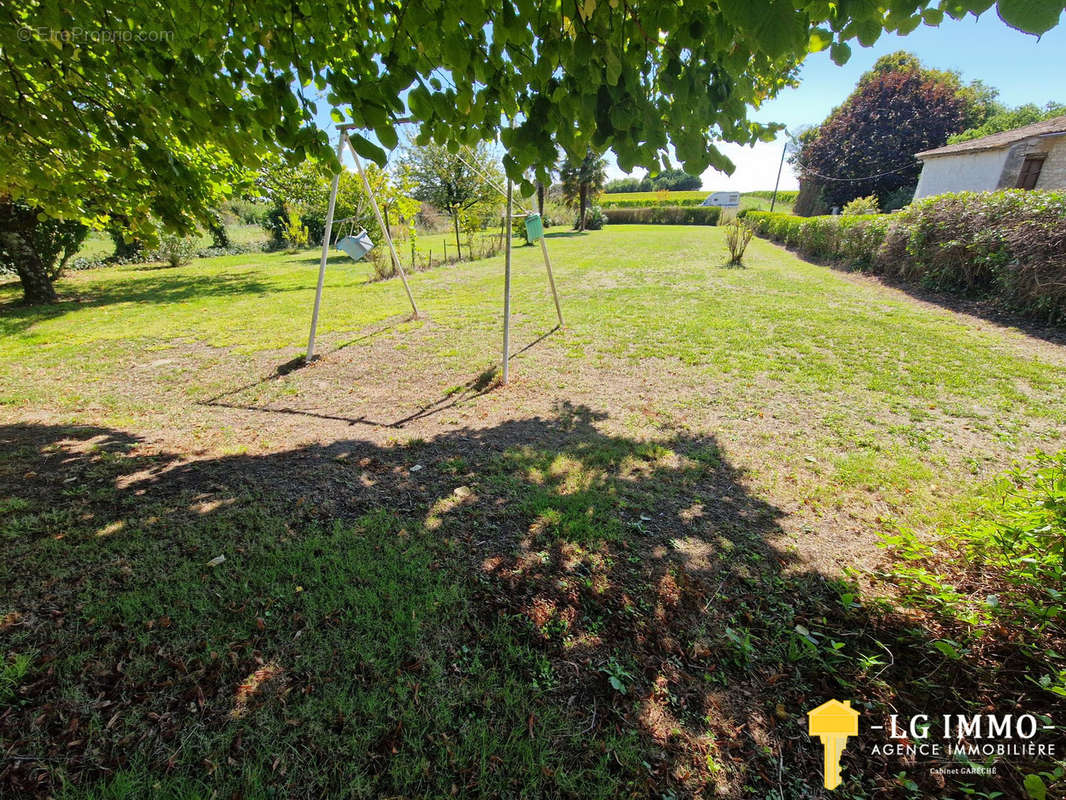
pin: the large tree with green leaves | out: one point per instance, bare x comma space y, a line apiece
156, 109
866, 146
453, 181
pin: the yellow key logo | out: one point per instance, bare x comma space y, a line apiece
833, 722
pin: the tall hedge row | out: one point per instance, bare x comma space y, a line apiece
1009, 246
664, 215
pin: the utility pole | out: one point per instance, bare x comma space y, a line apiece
780, 166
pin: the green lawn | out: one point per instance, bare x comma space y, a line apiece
629, 572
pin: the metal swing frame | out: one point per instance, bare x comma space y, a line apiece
345, 141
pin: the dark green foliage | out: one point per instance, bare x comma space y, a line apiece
1008, 246
36, 249
867, 145
674, 180
664, 215
219, 236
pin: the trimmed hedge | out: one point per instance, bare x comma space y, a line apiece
1009, 246
621, 201
664, 215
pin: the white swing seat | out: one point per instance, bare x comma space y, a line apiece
356, 246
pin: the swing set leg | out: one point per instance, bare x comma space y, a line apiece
384, 227
551, 279
325, 255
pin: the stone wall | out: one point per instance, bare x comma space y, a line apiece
1053, 173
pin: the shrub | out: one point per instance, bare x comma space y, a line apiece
594, 218
27, 241
176, 250
737, 237
861, 205
380, 259
663, 215
295, 231
1008, 246
898, 198
219, 234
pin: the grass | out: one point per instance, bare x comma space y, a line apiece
629, 573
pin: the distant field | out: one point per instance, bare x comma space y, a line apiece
698, 194
759, 200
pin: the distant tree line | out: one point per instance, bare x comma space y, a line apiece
1007, 119
674, 180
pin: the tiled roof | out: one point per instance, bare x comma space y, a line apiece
1002, 139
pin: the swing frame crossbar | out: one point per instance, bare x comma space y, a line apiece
327, 235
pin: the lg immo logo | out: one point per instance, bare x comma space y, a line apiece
958, 737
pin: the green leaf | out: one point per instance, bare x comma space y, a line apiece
1030, 16
367, 149
947, 650
1035, 787
840, 53
819, 40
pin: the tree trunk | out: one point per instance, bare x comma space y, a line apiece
583, 195
540, 199
36, 284
16, 238
455, 219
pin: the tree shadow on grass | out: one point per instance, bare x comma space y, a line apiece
536, 608
155, 287
564, 234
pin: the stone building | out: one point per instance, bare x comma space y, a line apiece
1031, 157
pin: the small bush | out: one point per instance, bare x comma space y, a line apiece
380, 259
737, 237
663, 215
594, 218
861, 205
176, 250
295, 232
1007, 246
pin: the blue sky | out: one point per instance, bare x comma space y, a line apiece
1024, 69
